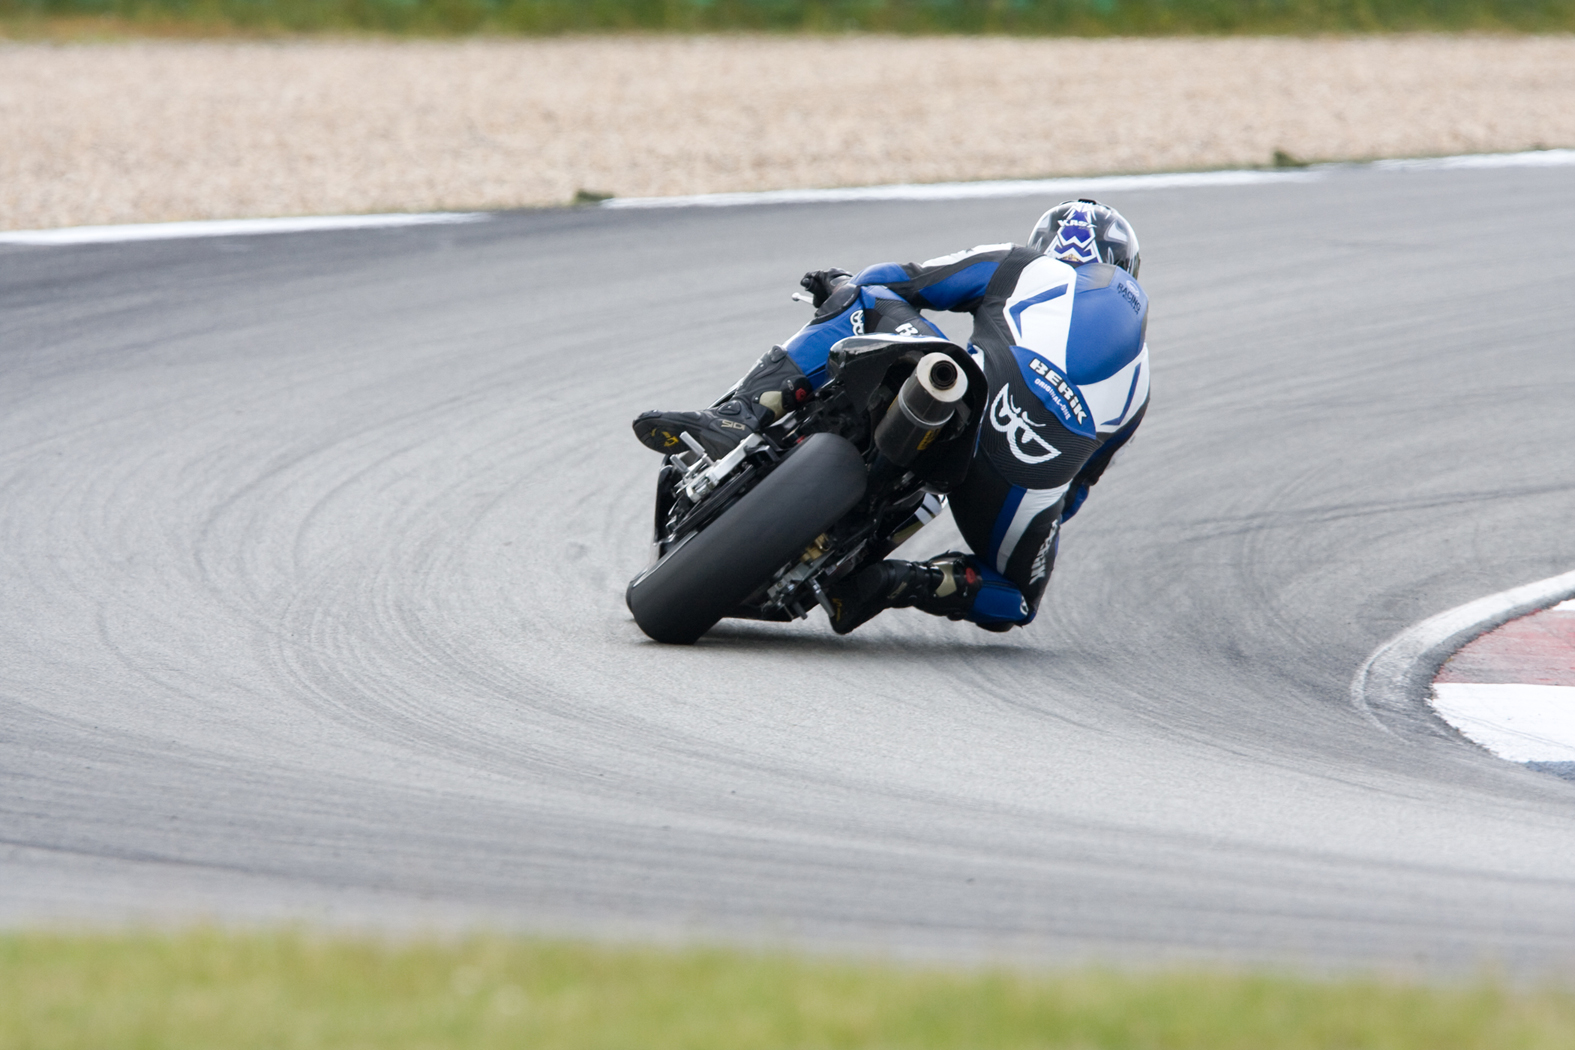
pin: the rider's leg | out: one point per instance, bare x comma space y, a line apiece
954, 585
1014, 533
767, 392
853, 310
785, 376
1009, 510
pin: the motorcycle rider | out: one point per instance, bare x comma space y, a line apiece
1060, 329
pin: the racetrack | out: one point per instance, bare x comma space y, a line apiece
314, 549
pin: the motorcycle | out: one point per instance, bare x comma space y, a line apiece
765, 531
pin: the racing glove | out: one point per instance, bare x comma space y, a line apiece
821, 283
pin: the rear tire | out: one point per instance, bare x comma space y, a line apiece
708, 575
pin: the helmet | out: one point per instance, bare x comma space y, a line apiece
1085, 231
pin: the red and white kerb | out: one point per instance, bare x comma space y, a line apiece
1513, 689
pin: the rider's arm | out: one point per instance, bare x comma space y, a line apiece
953, 282
1115, 434
1094, 469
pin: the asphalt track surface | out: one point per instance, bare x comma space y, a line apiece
313, 551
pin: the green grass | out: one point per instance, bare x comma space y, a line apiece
293, 991
1087, 17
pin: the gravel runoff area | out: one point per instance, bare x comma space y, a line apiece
161, 130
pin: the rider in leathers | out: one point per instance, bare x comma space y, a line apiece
1059, 331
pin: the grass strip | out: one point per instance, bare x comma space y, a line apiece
1027, 17
292, 990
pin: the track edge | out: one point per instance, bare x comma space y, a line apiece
1391, 688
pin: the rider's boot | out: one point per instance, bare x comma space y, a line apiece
943, 586
772, 389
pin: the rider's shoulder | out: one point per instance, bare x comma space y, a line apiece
1108, 324
1097, 276
1101, 281
980, 252
1091, 277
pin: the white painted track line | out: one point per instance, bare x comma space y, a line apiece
953, 191
1091, 184
1537, 158
939, 191
1521, 723
161, 231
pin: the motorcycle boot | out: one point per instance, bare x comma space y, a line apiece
769, 391
943, 586
953, 597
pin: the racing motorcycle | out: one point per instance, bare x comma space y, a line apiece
763, 532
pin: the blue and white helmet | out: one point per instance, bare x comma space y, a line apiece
1085, 231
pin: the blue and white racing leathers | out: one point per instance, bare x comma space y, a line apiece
1065, 354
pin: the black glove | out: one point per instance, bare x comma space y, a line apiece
821, 283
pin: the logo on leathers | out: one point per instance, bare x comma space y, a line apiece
1026, 445
1041, 566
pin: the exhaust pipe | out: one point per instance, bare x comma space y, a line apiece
925, 404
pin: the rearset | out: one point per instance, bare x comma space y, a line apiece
703, 475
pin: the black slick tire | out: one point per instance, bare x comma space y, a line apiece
707, 576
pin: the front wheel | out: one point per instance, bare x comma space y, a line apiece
707, 575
